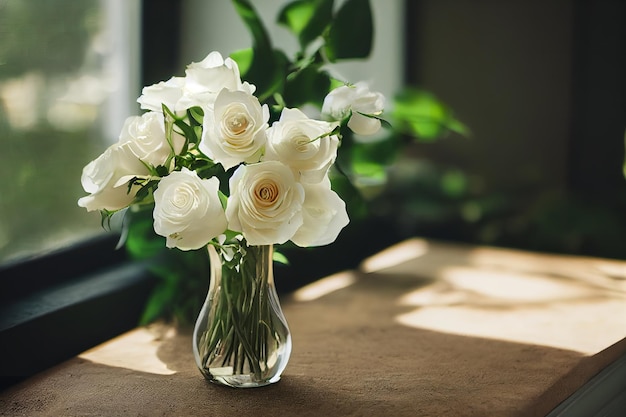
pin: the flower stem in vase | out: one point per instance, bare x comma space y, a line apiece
241, 336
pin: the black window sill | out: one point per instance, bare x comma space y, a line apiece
61, 304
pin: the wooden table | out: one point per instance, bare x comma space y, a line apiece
424, 328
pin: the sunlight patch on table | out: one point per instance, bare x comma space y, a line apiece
611, 268
512, 285
586, 327
599, 273
395, 255
325, 286
135, 350
509, 304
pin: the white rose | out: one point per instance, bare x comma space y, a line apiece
214, 73
145, 136
168, 92
106, 179
187, 210
324, 215
202, 82
303, 144
265, 203
358, 102
235, 131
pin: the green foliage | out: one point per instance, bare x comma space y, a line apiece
418, 113
141, 241
280, 258
183, 283
251, 18
262, 65
307, 86
182, 275
303, 79
308, 19
454, 183
351, 33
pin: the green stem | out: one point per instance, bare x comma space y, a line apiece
239, 330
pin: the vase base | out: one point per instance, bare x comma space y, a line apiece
240, 381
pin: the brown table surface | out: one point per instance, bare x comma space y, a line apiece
424, 328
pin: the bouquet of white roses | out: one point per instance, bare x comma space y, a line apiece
243, 147
207, 157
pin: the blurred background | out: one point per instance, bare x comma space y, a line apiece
539, 85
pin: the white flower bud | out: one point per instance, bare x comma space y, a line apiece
358, 102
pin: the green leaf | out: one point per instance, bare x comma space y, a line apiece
384, 151
307, 86
157, 304
342, 185
336, 83
261, 65
373, 171
252, 20
421, 114
267, 72
188, 131
458, 127
454, 183
280, 258
307, 19
161, 171
243, 58
141, 241
195, 115
351, 33
369, 175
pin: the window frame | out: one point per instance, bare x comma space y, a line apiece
55, 305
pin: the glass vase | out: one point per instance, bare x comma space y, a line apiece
241, 338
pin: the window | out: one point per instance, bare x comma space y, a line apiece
69, 76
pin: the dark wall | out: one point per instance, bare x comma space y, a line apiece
541, 84
505, 68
